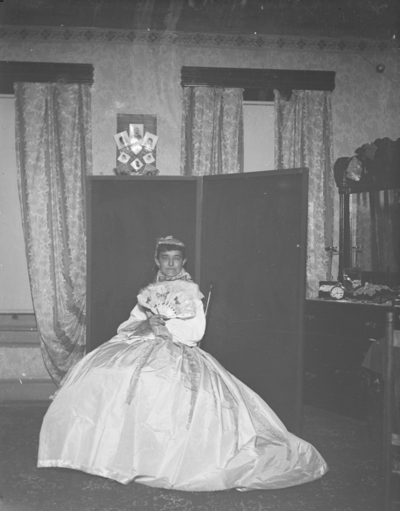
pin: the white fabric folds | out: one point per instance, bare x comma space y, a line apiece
157, 410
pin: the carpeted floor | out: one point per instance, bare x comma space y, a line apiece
353, 483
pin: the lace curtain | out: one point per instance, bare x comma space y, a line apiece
53, 142
212, 131
303, 138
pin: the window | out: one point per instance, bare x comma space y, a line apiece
258, 135
15, 295
258, 112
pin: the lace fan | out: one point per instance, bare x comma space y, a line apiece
167, 300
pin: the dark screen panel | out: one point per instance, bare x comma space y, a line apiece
253, 253
125, 216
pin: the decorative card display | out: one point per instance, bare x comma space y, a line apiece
123, 170
150, 170
149, 158
149, 141
136, 151
136, 148
123, 157
136, 133
137, 164
122, 139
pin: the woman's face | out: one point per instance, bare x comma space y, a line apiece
170, 262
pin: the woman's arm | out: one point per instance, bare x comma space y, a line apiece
137, 323
141, 322
188, 331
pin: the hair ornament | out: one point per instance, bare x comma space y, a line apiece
169, 240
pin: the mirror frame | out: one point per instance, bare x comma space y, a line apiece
345, 246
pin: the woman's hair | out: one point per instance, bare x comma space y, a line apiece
166, 247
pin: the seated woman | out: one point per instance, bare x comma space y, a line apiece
150, 406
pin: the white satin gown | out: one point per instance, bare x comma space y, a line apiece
158, 410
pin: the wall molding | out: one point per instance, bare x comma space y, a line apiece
221, 40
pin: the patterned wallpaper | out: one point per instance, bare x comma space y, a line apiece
145, 78
140, 73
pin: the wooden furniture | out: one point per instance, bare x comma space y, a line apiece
338, 335
391, 473
380, 171
245, 235
337, 338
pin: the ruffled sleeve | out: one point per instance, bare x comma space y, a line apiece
188, 331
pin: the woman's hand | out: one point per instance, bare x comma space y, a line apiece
156, 320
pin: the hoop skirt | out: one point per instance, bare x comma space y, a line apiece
156, 409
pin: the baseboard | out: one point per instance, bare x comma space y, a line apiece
26, 390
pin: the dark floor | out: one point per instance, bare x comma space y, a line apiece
353, 483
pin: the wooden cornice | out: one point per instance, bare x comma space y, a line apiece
281, 79
42, 72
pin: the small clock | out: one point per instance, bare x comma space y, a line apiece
337, 292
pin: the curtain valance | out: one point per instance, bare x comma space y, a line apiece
42, 72
280, 79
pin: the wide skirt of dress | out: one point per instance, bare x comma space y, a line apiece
170, 416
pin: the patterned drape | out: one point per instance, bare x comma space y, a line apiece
53, 142
212, 131
303, 138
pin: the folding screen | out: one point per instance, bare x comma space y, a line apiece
125, 216
245, 234
253, 253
